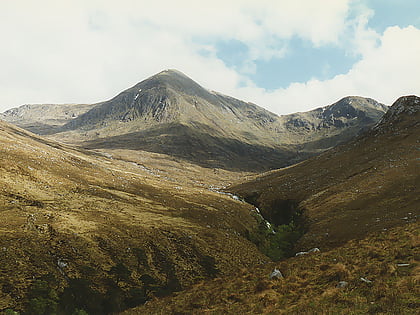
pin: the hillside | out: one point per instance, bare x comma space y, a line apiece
82, 231
322, 283
366, 185
171, 114
360, 204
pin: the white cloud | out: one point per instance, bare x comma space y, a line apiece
89, 50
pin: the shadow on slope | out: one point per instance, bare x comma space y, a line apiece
203, 148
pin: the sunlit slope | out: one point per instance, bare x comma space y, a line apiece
69, 214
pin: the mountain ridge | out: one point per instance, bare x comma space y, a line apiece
171, 114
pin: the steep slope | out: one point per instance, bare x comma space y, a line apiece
81, 231
171, 114
369, 184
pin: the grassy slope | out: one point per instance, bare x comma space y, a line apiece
310, 283
90, 212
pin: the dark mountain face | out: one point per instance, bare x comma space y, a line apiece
170, 113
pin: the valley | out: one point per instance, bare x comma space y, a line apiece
187, 199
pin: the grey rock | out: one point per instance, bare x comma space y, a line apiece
62, 264
276, 274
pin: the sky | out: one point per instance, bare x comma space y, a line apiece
284, 55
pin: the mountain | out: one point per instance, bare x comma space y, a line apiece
171, 114
324, 128
358, 205
44, 119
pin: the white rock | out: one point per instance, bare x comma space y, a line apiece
342, 284
365, 280
276, 274
61, 264
314, 250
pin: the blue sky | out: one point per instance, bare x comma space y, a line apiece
394, 12
284, 55
301, 62
304, 61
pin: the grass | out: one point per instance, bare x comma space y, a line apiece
70, 215
310, 283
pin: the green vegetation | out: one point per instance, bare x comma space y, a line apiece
81, 296
43, 300
121, 272
278, 242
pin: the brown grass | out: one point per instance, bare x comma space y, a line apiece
90, 211
310, 283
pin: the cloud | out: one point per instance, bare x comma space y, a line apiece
88, 51
385, 73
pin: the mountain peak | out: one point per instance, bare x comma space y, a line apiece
405, 104
402, 112
358, 103
172, 72
171, 78
354, 107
